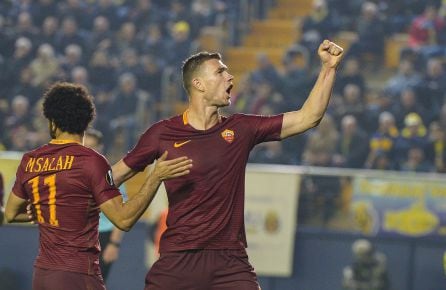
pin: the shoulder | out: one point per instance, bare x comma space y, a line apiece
96, 160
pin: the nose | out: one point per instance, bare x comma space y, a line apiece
230, 77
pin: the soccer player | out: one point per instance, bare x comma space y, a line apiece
204, 244
109, 236
67, 184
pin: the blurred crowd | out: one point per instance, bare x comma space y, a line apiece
127, 52
397, 125
120, 49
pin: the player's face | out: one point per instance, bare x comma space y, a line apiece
218, 83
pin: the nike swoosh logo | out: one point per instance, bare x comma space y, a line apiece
176, 144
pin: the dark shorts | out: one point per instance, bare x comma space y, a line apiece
202, 270
44, 279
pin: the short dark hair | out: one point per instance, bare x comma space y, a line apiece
69, 106
193, 63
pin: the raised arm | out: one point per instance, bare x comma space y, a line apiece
316, 104
125, 215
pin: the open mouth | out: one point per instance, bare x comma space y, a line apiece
228, 90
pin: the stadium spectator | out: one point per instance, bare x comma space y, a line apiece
130, 108
351, 74
426, 32
436, 149
408, 103
44, 67
406, 77
320, 24
370, 34
381, 144
414, 134
70, 34
321, 143
432, 88
294, 78
416, 161
352, 147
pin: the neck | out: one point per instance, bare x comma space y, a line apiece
69, 136
202, 117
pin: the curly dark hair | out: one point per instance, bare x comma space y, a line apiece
193, 63
69, 106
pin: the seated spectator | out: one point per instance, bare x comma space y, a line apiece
371, 34
408, 103
436, 148
406, 77
270, 153
350, 74
427, 32
45, 66
321, 143
180, 45
265, 71
352, 147
49, 30
71, 59
432, 88
130, 109
412, 135
321, 24
416, 161
352, 104
294, 79
102, 70
101, 36
382, 141
70, 34
266, 100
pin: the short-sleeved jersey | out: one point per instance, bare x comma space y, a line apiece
206, 207
66, 182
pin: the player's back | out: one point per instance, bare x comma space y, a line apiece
60, 180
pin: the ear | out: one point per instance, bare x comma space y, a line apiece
198, 84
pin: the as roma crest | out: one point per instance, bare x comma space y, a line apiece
228, 135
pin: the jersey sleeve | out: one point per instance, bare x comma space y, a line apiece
18, 187
102, 184
145, 151
264, 128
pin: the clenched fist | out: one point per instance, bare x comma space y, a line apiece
330, 53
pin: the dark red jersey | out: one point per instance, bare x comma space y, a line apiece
66, 182
206, 207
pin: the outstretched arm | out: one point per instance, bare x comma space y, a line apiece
125, 215
121, 172
314, 107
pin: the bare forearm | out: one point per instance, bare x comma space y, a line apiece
137, 205
317, 102
19, 218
